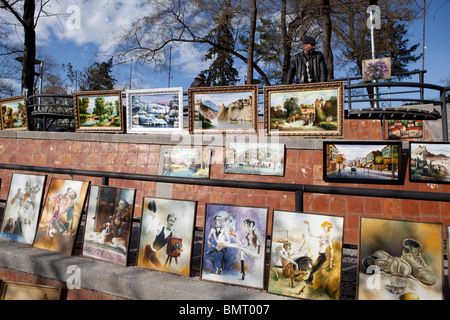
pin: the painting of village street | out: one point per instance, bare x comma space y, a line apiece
306, 254
99, 111
231, 109
304, 110
364, 163
13, 113
154, 110
429, 162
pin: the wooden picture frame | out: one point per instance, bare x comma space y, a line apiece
61, 215
109, 220
155, 110
227, 257
255, 158
306, 255
223, 110
429, 162
98, 111
23, 205
188, 162
400, 260
313, 109
175, 218
376, 69
372, 162
12, 290
13, 113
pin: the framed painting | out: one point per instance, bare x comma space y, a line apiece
167, 235
11, 290
306, 255
14, 113
109, 220
98, 111
376, 69
400, 260
155, 110
315, 109
429, 162
363, 162
234, 245
226, 109
61, 215
185, 162
22, 208
255, 158
404, 129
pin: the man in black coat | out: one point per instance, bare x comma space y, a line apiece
199, 81
308, 66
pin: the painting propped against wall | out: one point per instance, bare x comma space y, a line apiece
306, 254
167, 235
234, 245
22, 208
400, 260
108, 224
61, 215
429, 162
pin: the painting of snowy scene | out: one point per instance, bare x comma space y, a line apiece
362, 162
315, 109
232, 109
98, 111
155, 110
429, 162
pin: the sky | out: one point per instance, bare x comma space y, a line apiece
90, 25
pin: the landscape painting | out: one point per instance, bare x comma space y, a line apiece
23, 204
362, 162
155, 110
108, 224
315, 109
14, 113
400, 260
255, 158
185, 162
167, 235
98, 111
306, 254
61, 215
234, 245
231, 109
429, 162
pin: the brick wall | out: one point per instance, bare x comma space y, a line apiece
133, 154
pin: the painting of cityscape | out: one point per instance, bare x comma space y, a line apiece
362, 162
98, 111
255, 158
305, 255
429, 162
155, 110
231, 109
185, 162
315, 109
400, 260
13, 113
109, 219
404, 129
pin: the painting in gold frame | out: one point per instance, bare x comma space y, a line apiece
98, 111
313, 109
14, 113
223, 109
11, 290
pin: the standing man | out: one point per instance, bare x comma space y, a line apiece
308, 66
199, 81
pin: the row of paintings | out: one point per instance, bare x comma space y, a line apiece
398, 259
307, 110
376, 162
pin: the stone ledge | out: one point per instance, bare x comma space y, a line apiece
128, 282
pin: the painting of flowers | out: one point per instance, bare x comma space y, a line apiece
376, 69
